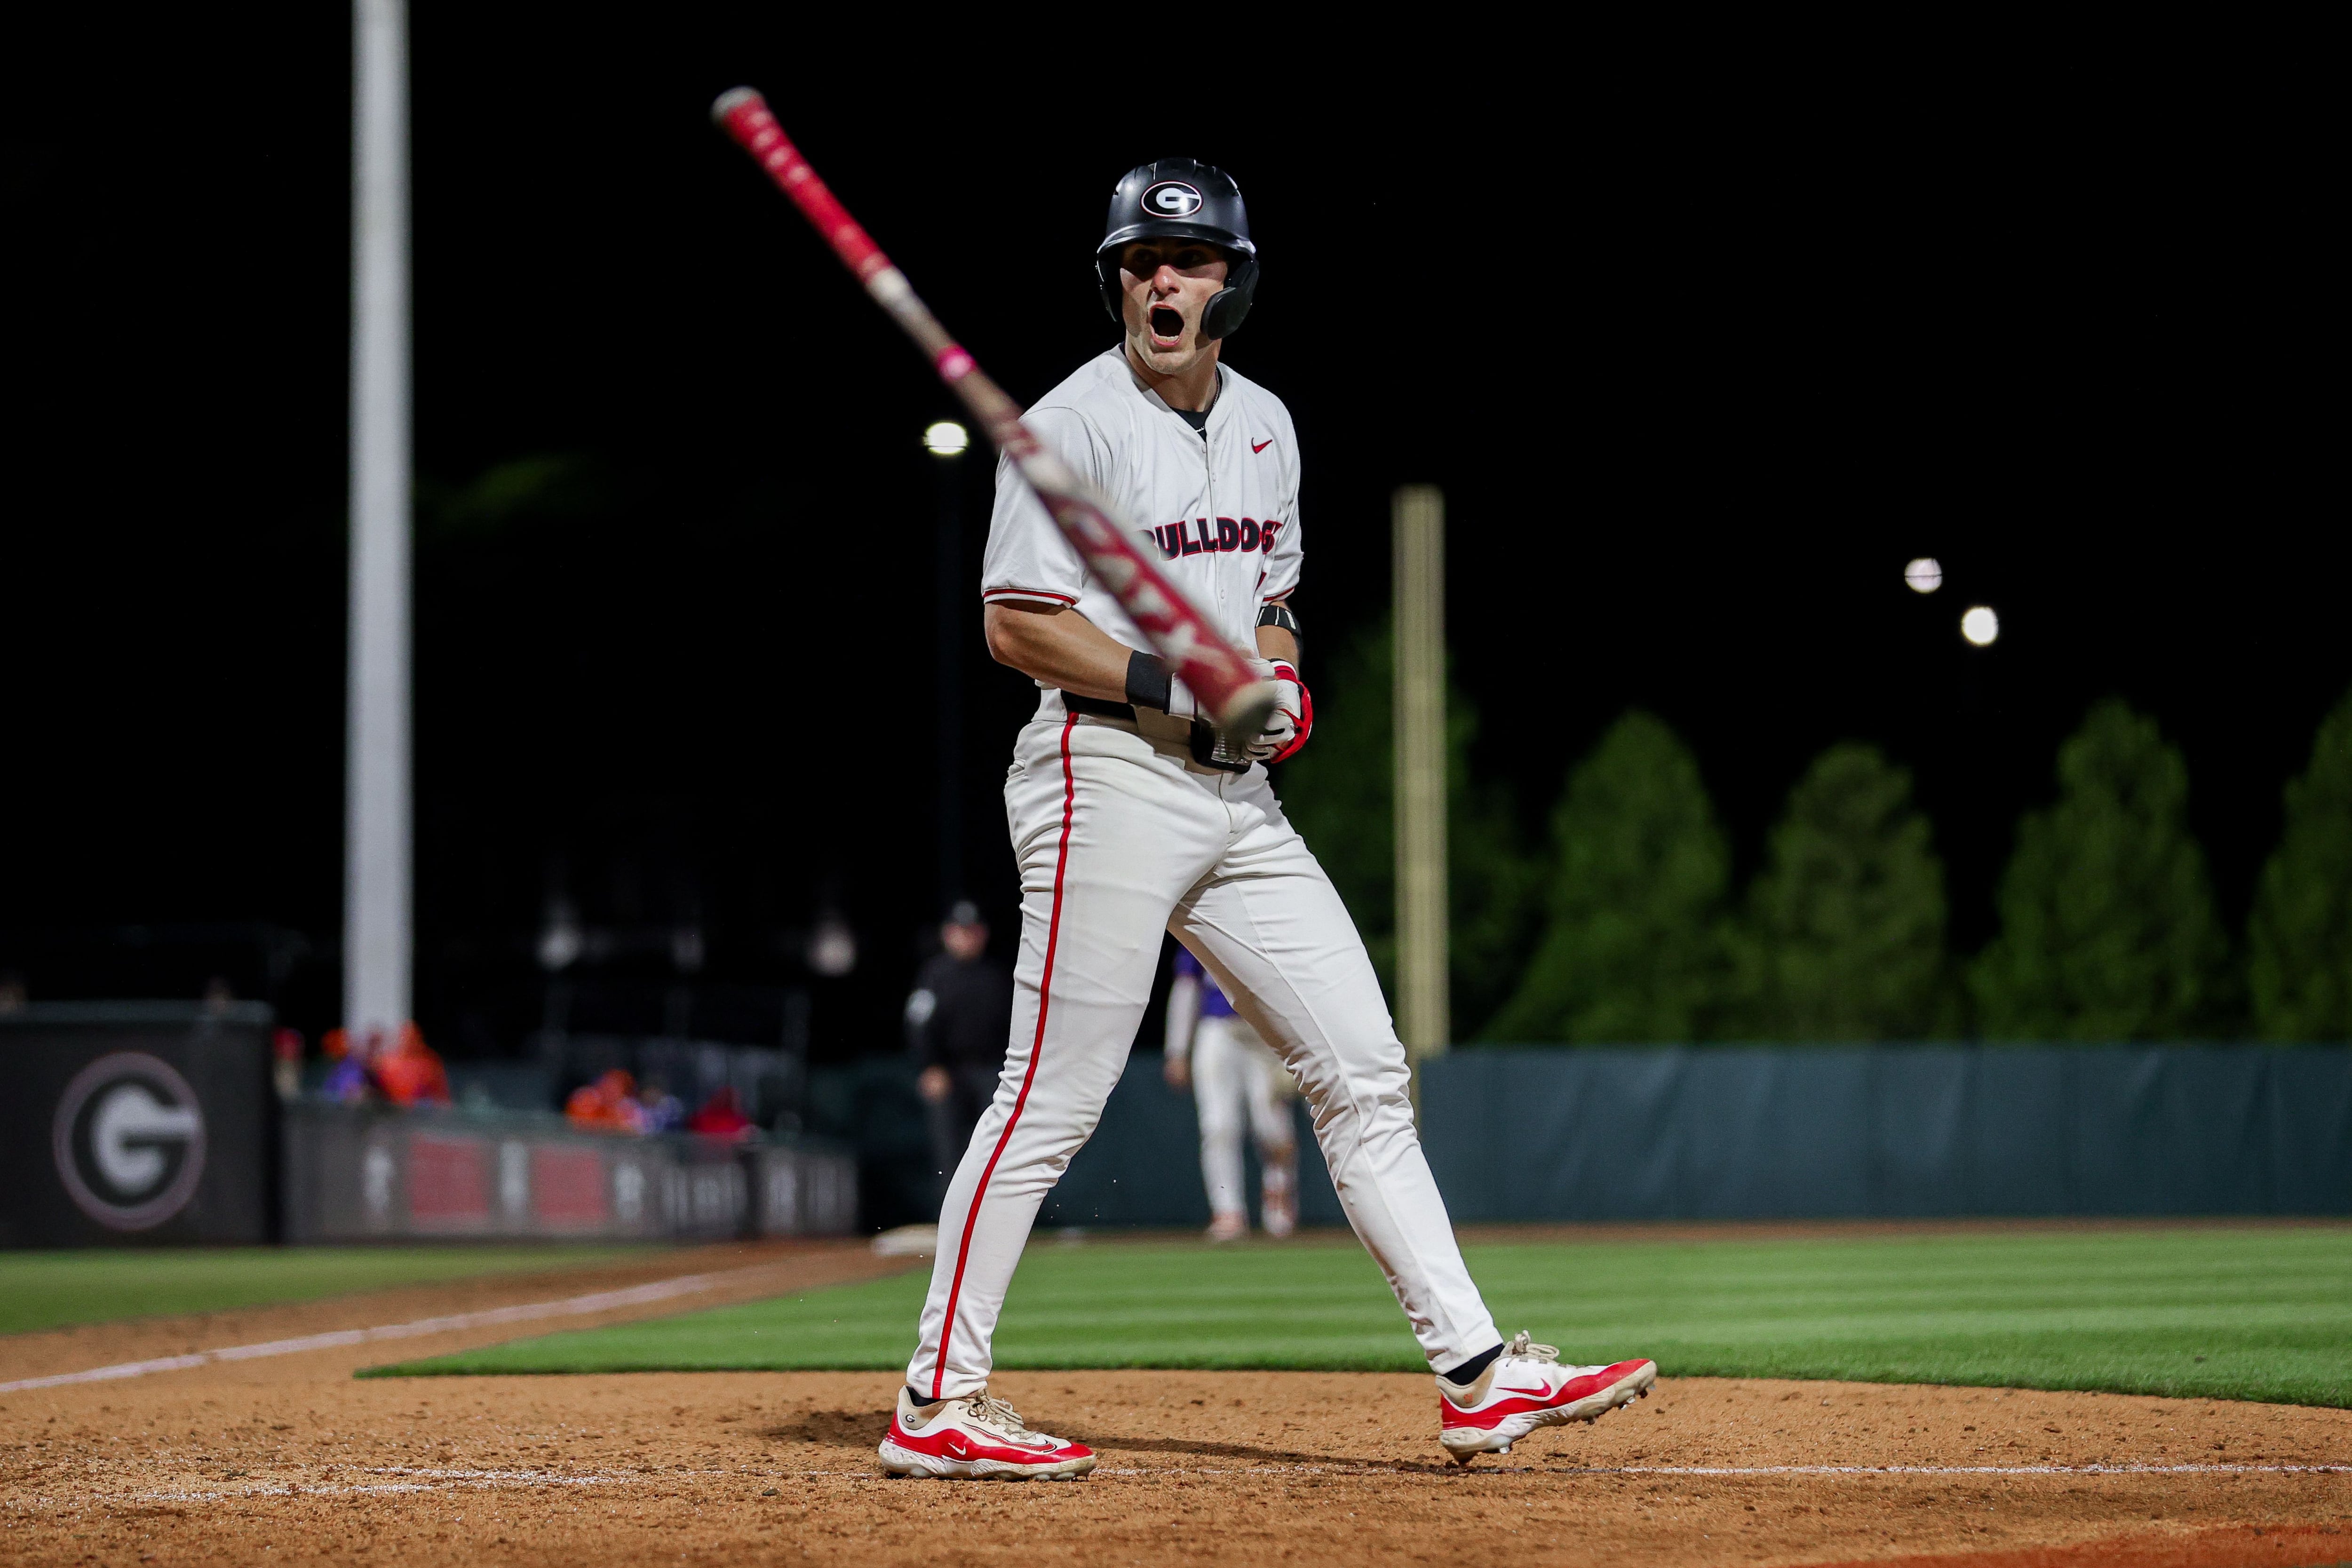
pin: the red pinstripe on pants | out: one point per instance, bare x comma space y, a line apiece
1037, 1048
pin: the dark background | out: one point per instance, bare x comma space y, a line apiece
1704, 341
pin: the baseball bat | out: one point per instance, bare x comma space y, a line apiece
1218, 675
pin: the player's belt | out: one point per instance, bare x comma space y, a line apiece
1095, 706
1198, 737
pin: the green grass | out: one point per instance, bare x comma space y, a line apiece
56, 1290
2268, 1310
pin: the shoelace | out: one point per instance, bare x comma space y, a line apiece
995, 1414
1524, 1347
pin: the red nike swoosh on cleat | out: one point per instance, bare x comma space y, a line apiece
1538, 1392
1261, 446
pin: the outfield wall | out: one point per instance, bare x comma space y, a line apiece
1789, 1132
1738, 1132
372, 1173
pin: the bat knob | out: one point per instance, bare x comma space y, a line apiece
1247, 710
733, 99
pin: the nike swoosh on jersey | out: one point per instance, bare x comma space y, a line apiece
1261, 446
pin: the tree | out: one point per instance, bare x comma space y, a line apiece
1340, 793
2108, 925
1633, 947
1844, 934
2299, 939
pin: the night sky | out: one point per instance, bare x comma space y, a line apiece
1701, 352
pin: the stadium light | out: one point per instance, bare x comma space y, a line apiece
832, 947
1980, 626
1925, 574
946, 440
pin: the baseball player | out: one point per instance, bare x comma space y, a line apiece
1232, 1074
1129, 818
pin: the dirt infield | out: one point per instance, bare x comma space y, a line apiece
291, 1460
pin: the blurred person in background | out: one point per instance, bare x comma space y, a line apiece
608, 1105
659, 1111
721, 1116
397, 1067
1233, 1074
958, 1017
410, 1072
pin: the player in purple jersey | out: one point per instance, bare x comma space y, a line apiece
1232, 1073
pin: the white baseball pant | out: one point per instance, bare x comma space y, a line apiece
1234, 1077
1119, 838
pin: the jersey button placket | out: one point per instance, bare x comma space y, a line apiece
1209, 462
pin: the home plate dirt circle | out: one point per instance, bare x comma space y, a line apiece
292, 1460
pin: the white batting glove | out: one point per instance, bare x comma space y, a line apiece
1286, 727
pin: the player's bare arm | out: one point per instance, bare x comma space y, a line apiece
1054, 644
1279, 643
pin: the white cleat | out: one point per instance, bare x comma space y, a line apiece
1526, 1387
975, 1438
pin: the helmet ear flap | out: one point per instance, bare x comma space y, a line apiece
1226, 308
1106, 278
1229, 305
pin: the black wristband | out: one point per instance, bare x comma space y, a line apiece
1148, 681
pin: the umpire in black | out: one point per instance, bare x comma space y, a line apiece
958, 1017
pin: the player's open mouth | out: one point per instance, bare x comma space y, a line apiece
1167, 325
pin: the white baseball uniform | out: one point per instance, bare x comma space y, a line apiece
1120, 836
1236, 1078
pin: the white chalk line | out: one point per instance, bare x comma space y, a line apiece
423, 1481
416, 1480
571, 1306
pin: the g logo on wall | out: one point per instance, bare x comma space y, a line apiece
1171, 198
130, 1141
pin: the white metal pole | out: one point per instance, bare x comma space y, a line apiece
376, 848
1423, 1004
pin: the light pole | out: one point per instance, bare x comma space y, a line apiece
377, 944
947, 442
1425, 1006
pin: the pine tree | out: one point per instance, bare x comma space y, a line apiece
2299, 939
1340, 793
1844, 934
2108, 925
1633, 947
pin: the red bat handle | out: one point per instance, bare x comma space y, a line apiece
1218, 675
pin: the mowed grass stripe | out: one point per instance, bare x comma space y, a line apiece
57, 1289
2253, 1313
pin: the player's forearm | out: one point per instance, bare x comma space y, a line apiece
1060, 647
1276, 642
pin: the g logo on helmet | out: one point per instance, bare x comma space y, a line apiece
1171, 198
130, 1141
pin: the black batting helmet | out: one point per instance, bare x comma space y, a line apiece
1176, 198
